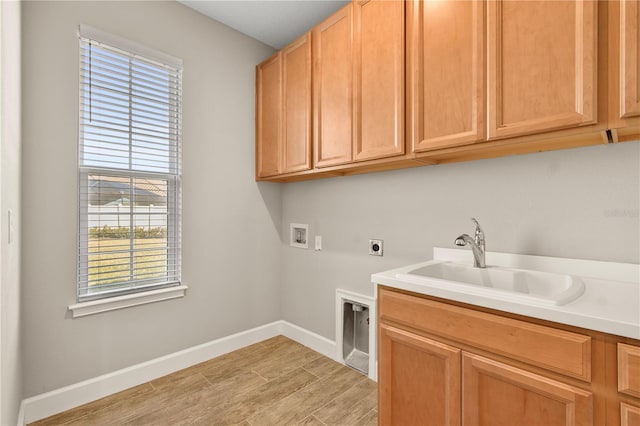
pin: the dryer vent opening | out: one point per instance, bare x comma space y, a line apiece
355, 336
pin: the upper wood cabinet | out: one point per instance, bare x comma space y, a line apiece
385, 84
445, 73
269, 116
624, 60
542, 62
296, 131
359, 83
333, 89
629, 58
378, 79
283, 110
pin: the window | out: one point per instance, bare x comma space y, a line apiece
129, 168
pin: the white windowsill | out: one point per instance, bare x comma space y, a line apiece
112, 303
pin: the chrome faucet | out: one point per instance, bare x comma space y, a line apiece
476, 244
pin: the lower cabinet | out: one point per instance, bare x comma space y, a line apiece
426, 382
419, 380
434, 369
494, 393
629, 415
628, 357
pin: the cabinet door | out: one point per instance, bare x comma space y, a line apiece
296, 132
445, 73
332, 78
378, 78
497, 394
418, 380
629, 369
268, 116
542, 65
629, 415
629, 58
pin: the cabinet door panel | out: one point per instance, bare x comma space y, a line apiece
419, 380
629, 415
542, 65
268, 116
629, 58
629, 369
445, 73
332, 76
296, 138
498, 394
379, 78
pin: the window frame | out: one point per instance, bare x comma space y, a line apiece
156, 289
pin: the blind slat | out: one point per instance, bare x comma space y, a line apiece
120, 84
128, 128
151, 142
94, 61
98, 101
136, 115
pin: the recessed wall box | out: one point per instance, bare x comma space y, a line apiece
299, 234
375, 247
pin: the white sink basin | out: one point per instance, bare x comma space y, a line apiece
505, 283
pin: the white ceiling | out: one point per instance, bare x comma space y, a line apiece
273, 22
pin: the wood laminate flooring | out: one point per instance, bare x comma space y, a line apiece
274, 382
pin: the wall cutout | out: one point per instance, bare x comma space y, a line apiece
299, 235
343, 297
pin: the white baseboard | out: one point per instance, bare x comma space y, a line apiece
310, 339
21, 414
59, 400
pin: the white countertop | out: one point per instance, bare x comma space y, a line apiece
610, 302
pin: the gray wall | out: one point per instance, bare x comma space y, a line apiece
580, 203
10, 148
230, 225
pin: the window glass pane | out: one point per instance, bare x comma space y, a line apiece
127, 231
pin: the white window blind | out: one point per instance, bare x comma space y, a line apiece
129, 167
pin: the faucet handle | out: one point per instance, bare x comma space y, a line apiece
479, 235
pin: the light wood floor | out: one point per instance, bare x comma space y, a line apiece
274, 382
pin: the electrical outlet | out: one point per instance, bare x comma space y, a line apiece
375, 247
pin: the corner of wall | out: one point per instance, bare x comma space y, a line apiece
10, 185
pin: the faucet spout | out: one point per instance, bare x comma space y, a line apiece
476, 244
463, 240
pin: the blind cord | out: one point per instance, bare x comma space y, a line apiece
90, 83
